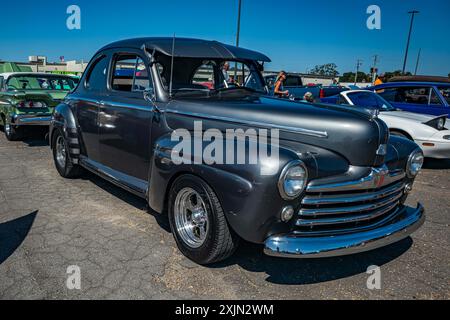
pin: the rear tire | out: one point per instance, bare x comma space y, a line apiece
198, 222
63, 163
12, 133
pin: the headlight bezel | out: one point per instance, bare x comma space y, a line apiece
282, 179
437, 123
409, 163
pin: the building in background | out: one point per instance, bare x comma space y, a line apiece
41, 64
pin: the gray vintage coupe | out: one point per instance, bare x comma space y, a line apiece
337, 186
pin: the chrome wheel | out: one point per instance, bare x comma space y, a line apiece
7, 129
191, 217
60, 151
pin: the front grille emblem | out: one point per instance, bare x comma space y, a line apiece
379, 175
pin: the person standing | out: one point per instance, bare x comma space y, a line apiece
279, 83
380, 79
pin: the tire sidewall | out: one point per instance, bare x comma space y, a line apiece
201, 254
62, 171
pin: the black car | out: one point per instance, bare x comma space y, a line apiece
337, 185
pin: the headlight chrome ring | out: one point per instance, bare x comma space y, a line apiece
293, 180
415, 163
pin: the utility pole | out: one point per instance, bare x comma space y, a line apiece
374, 73
412, 13
417, 62
358, 64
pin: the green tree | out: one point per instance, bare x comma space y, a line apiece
350, 77
329, 69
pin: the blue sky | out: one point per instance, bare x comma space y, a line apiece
296, 34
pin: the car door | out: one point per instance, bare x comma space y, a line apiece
125, 118
87, 100
412, 98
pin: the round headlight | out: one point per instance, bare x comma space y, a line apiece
415, 163
441, 123
292, 180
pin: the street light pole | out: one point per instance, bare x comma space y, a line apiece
412, 13
358, 64
417, 62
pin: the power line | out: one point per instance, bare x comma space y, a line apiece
358, 64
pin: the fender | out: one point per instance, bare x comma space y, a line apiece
64, 120
251, 201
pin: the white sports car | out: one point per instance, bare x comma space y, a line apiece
431, 133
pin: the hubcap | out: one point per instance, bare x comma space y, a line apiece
191, 217
8, 129
61, 152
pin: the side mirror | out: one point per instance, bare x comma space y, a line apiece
149, 95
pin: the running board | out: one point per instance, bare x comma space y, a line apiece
131, 184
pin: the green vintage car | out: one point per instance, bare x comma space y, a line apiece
28, 99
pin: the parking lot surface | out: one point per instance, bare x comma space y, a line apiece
125, 251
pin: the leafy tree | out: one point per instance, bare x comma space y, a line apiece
350, 77
396, 73
329, 69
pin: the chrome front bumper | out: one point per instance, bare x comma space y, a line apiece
292, 245
31, 120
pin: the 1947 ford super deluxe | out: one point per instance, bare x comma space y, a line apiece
338, 185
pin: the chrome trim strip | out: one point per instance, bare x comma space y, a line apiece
377, 178
134, 185
399, 227
347, 219
350, 198
349, 209
32, 120
308, 132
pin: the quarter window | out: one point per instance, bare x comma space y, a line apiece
96, 80
130, 74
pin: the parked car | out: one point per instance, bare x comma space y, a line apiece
431, 133
28, 99
418, 97
294, 84
338, 186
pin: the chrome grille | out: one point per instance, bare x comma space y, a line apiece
351, 203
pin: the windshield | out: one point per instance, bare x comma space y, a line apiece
40, 82
370, 99
445, 91
197, 77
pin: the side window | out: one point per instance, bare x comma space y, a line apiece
96, 80
130, 74
417, 95
292, 81
204, 76
434, 98
389, 94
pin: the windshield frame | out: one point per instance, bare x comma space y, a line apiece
386, 103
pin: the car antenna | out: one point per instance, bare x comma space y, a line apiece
171, 66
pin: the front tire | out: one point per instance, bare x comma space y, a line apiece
198, 223
63, 163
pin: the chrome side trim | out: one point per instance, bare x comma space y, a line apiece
377, 178
351, 197
31, 120
399, 227
308, 132
134, 185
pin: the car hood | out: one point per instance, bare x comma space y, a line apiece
354, 134
417, 117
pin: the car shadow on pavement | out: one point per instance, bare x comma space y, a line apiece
436, 164
286, 271
12, 234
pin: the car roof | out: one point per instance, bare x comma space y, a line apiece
190, 48
412, 84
